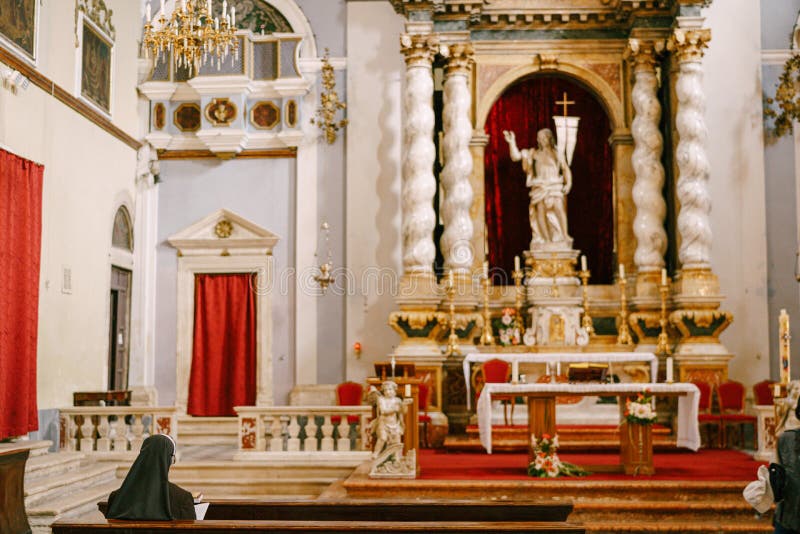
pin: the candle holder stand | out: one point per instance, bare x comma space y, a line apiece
586, 321
624, 334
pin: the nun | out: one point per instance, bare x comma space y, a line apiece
146, 493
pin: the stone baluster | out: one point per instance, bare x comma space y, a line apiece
120, 434
72, 429
648, 224
419, 184
343, 442
87, 434
326, 443
458, 230
276, 434
293, 443
364, 443
693, 168
137, 428
103, 431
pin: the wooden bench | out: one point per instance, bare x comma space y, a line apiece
77, 526
12, 494
385, 510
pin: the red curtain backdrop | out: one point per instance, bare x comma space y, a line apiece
224, 354
20, 250
525, 108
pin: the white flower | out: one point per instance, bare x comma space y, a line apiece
506, 319
504, 338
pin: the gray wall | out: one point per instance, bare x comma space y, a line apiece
777, 21
328, 20
260, 190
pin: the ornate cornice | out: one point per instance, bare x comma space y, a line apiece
459, 58
643, 54
688, 45
419, 48
97, 12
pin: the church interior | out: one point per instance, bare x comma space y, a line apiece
399, 265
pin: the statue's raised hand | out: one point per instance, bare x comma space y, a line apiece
509, 136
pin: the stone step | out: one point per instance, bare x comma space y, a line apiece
42, 490
36, 447
208, 431
222, 488
753, 526
74, 504
52, 464
627, 510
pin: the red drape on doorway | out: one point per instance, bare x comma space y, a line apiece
525, 108
224, 352
20, 251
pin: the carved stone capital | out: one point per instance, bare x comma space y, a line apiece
644, 54
645, 325
419, 49
459, 58
700, 326
418, 324
688, 45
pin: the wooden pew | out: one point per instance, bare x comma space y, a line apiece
78, 526
385, 510
13, 519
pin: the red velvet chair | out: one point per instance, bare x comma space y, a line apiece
348, 394
762, 393
496, 371
422, 416
705, 418
731, 407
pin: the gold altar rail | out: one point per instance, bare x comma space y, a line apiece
294, 431
116, 431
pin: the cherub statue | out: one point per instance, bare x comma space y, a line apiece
388, 426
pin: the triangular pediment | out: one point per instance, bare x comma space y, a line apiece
223, 232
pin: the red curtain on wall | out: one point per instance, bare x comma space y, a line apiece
525, 108
224, 354
20, 250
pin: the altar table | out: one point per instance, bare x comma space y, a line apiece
563, 357
542, 409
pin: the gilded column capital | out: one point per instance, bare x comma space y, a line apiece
688, 45
419, 48
459, 58
644, 54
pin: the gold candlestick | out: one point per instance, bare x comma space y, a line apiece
663, 338
486, 336
624, 335
452, 341
586, 321
518, 276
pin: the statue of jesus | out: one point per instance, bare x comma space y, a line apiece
549, 178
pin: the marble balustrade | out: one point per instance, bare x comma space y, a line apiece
118, 430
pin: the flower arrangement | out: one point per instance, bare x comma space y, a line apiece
640, 410
546, 463
507, 328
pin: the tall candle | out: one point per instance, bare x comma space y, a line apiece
670, 370
547, 368
516, 263
224, 8
558, 368
162, 8
233, 16
621, 271
208, 7
486, 269
785, 347
407, 390
149, 14
393, 363
583, 262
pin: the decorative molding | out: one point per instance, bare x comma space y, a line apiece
97, 12
62, 95
689, 45
244, 154
221, 112
265, 115
776, 57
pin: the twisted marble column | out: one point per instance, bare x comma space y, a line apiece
419, 184
458, 230
648, 225
693, 167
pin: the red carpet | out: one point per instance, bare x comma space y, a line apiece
706, 464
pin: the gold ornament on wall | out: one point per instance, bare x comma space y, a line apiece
330, 104
223, 229
786, 99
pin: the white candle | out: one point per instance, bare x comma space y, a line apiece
233, 16
547, 369
162, 8
558, 368
486, 269
408, 390
670, 369
183, 5
149, 14
583, 263
224, 8
621, 271
663, 277
516, 263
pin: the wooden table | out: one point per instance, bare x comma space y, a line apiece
13, 519
636, 446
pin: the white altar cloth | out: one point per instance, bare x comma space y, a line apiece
688, 404
564, 357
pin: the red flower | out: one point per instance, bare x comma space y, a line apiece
545, 436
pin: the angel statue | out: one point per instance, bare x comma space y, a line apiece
549, 178
388, 428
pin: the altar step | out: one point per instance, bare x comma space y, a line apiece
207, 431
582, 438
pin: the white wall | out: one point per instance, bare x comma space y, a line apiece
735, 150
87, 172
374, 80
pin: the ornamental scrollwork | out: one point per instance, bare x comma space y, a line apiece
97, 12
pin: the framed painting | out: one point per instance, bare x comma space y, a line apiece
96, 67
18, 25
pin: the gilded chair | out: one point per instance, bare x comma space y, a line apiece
731, 407
496, 371
762, 393
707, 419
348, 394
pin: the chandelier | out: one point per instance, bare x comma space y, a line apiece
192, 35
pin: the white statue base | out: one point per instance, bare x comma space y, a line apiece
393, 464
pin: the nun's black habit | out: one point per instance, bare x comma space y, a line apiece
146, 494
